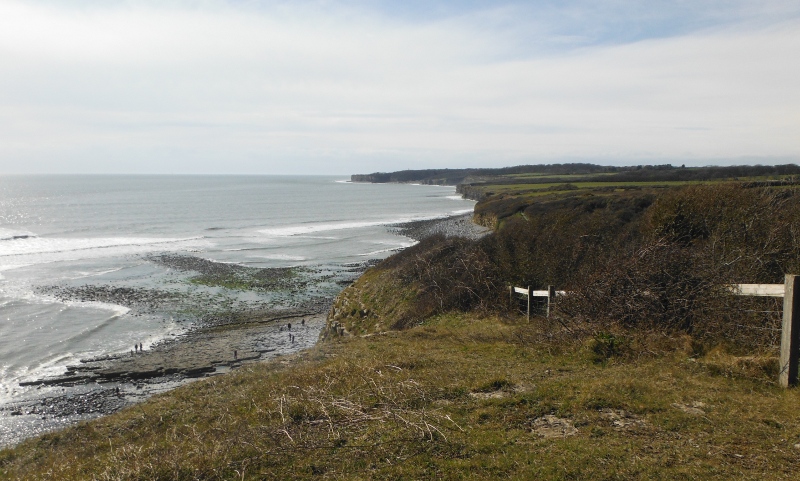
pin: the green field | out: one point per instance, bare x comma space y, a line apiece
514, 188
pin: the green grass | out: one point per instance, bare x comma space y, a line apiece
511, 188
537, 187
459, 397
554, 176
243, 279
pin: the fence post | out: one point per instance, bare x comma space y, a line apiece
510, 296
790, 331
530, 297
551, 294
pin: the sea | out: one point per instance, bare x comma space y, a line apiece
94, 231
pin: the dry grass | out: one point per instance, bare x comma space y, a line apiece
458, 397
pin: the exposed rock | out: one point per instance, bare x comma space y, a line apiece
694, 408
197, 353
138, 299
622, 419
550, 426
489, 395
455, 226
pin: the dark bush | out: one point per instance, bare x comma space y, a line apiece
629, 259
694, 243
452, 273
605, 345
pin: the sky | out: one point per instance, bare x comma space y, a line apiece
359, 86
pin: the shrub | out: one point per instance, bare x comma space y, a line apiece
605, 345
694, 242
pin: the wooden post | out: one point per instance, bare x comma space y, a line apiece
790, 332
551, 294
530, 298
510, 297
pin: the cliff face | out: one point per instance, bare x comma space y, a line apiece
468, 191
468, 187
457, 176
401, 177
376, 178
485, 219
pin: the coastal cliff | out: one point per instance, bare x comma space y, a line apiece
387, 295
427, 366
471, 192
404, 177
458, 176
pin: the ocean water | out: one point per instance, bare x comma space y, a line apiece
78, 231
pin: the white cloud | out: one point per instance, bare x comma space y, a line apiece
217, 88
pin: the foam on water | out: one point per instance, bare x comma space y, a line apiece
294, 230
314, 227
383, 251
282, 257
116, 309
38, 245
85, 274
391, 242
10, 267
27, 252
14, 234
89, 342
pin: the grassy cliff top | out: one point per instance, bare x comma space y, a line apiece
460, 396
580, 171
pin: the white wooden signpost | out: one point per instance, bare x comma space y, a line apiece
550, 294
790, 328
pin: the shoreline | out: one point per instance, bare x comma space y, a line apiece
460, 225
100, 386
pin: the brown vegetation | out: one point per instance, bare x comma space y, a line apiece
638, 259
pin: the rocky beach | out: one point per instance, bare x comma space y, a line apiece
222, 333
453, 226
102, 385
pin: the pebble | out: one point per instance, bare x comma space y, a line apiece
456, 226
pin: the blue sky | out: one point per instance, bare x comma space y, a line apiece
339, 87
